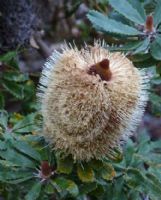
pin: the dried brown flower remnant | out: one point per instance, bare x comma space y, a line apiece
91, 101
149, 26
46, 169
102, 68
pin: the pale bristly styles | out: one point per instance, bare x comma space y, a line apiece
91, 100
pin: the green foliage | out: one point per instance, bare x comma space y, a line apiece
134, 26
134, 174
15, 84
128, 10
103, 23
22, 154
143, 47
85, 173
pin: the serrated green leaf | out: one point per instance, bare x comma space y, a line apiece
17, 158
85, 173
25, 125
15, 76
10, 175
156, 144
29, 90
140, 58
147, 184
104, 24
34, 193
3, 118
135, 179
65, 165
154, 186
17, 90
157, 11
26, 149
66, 184
7, 163
127, 10
20, 180
155, 48
115, 191
155, 170
130, 46
139, 7
10, 58
143, 47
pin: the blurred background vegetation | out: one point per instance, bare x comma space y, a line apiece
29, 32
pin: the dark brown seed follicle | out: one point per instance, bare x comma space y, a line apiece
101, 68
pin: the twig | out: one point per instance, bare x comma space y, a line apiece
43, 48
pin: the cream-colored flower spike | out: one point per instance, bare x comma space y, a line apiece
91, 100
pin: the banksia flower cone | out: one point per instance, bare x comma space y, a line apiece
91, 101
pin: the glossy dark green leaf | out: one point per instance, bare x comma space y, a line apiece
65, 165
26, 149
17, 90
10, 59
66, 184
96, 164
85, 173
104, 24
29, 90
15, 76
108, 172
34, 193
25, 125
8, 56
127, 10
49, 189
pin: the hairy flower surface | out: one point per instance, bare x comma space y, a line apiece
91, 100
